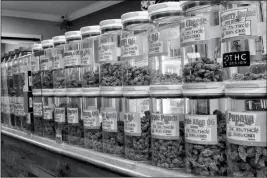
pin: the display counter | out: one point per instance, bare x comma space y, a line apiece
43, 157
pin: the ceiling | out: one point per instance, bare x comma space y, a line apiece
52, 10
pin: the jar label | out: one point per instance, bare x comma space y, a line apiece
106, 51
44, 61
34, 64
72, 58
86, 56
193, 29
37, 109
247, 128
59, 115
20, 110
48, 112
201, 129
236, 59
129, 47
165, 126
155, 46
109, 121
16, 110
132, 124
15, 67
239, 22
91, 119
58, 62
73, 115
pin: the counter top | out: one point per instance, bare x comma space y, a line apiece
108, 161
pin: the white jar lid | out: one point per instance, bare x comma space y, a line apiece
164, 8
110, 23
73, 34
90, 29
59, 39
132, 16
36, 46
46, 43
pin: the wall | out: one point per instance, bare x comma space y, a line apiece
112, 12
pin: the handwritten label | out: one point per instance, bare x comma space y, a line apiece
72, 58
155, 46
247, 128
132, 124
58, 62
37, 109
239, 22
201, 129
48, 112
44, 62
86, 56
129, 47
109, 121
60, 115
236, 59
91, 119
106, 51
73, 115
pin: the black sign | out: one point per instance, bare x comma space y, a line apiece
236, 59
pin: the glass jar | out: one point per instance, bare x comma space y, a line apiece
92, 123
2, 89
167, 122
243, 32
246, 136
164, 49
137, 129
15, 73
201, 48
11, 91
27, 71
60, 115
48, 116
38, 115
205, 136
89, 55
134, 53
112, 125
5, 106
58, 71
75, 123
46, 67
72, 63
109, 57
35, 68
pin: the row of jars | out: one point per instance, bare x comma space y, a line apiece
197, 44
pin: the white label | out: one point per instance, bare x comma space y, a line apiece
155, 46
44, 62
48, 113
37, 109
129, 47
86, 55
73, 115
109, 123
132, 124
58, 62
106, 51
91, 119
34, 64
72, 58
60, 115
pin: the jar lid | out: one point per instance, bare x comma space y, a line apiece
110, 23
164, 8
24, 49
59, 39
73, 35
90, 29
36, 46
133, 16
47, 43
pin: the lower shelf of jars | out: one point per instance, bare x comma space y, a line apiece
111, 162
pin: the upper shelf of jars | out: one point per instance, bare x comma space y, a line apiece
191, 48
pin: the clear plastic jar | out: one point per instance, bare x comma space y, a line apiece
246, 136
109, 57
11, 91
134, 53
75, 123
27, 71
201, 48
48, 117
112, 125
15, 73
5, 105
72, 60
164, 49
243, 32
60, 115
92, 123
167, 126
137, 129
89, 55
35, 68
38, 115
205, 136
58, 71
46, 67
